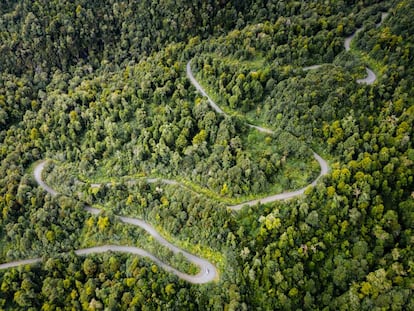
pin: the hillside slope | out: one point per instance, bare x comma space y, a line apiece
102, 92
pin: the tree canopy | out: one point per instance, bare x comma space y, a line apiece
101, 91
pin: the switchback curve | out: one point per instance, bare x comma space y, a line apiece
271, 198
208, 271
371, 76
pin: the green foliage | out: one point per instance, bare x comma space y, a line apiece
101, 89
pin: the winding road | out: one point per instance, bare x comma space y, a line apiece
369, 79
208, 271
272, 198
371, 76
347, 43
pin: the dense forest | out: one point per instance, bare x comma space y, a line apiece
100, 93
